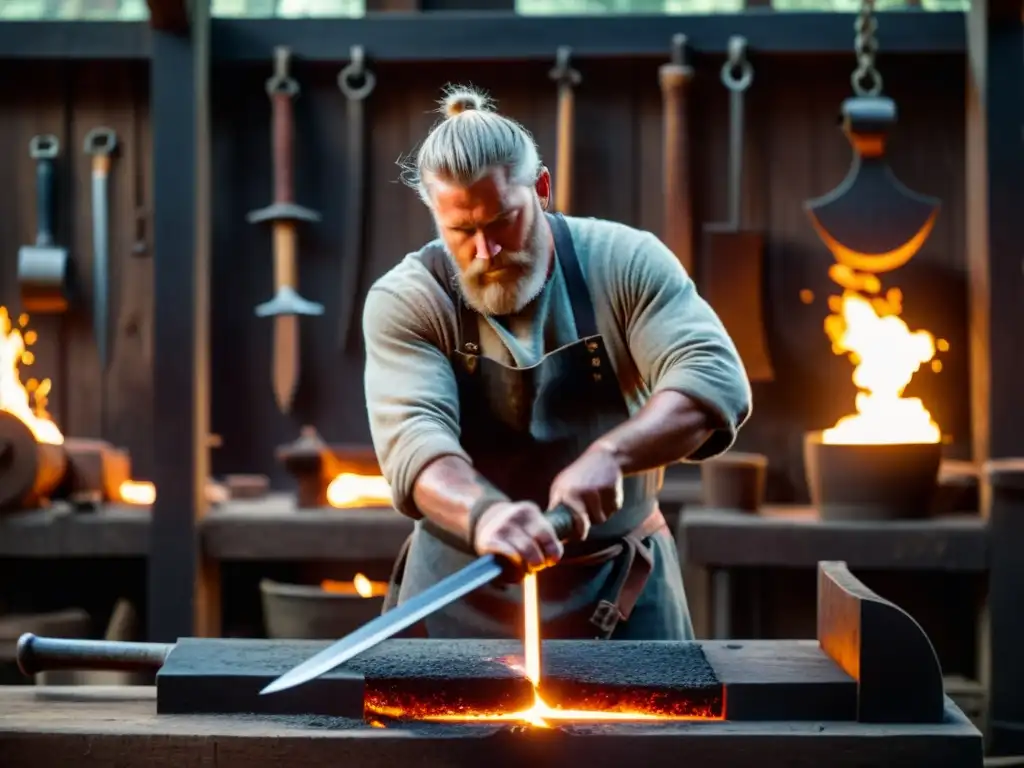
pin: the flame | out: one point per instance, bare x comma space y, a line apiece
540, 714
26, 402
349, 490
137, 492
886, 354
360, 585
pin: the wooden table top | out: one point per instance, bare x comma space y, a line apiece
271, 528
89, 726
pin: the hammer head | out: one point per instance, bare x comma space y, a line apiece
44, 278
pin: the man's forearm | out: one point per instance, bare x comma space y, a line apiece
450, 493
670, 427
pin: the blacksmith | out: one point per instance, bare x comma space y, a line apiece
525, 359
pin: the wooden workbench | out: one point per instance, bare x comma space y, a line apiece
271, 528
71, 727
714, 543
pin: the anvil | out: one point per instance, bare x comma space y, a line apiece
871, 222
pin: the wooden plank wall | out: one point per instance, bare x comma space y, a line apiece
68, 100
795, 151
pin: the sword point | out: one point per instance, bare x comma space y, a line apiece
274, 687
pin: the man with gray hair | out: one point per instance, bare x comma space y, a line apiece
527, 359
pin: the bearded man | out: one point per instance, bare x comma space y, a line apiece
524, 360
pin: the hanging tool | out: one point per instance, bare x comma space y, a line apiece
675, 78
44, 268
356, 82
100, 144
871, 222
283, 214
567, 78
731, 268
479, 573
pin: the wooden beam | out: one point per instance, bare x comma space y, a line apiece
995, 166
183, 589
171, 16
498, 35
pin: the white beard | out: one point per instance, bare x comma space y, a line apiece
509, 297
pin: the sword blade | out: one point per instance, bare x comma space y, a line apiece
475, 575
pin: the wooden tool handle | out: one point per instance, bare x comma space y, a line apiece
567, 78
677, 225
563, 167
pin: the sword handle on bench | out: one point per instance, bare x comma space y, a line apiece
40, 654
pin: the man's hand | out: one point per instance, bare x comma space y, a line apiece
591, 487
519, 531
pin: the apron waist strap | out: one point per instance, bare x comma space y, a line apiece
635, 562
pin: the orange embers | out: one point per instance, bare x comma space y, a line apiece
540, 713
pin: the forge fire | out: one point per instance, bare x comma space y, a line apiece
28, 401
865, 325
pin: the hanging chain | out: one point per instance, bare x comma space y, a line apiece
866, 79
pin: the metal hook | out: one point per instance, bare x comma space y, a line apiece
737, 72
355, 80
282, 58
678, 56
358, 66
282, 81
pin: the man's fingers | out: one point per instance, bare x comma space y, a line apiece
531, 554
547, 540
596, 509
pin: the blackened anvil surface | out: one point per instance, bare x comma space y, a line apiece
225, 676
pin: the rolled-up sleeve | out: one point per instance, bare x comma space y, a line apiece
679, 343
411, 395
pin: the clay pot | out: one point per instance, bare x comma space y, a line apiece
871, 482
734, 481
305, 612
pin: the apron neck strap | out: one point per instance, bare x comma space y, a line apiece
576, 287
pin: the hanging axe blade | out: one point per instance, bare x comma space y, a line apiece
872, 222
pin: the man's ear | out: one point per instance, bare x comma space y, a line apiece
543, 187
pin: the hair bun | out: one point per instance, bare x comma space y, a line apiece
459, 100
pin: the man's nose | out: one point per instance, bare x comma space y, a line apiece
485, 247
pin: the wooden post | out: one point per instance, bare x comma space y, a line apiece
183, 590
995, 168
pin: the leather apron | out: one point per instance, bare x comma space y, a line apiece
521, 427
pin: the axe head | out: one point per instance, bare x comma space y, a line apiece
871, 222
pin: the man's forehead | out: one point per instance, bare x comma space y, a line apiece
485, 198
